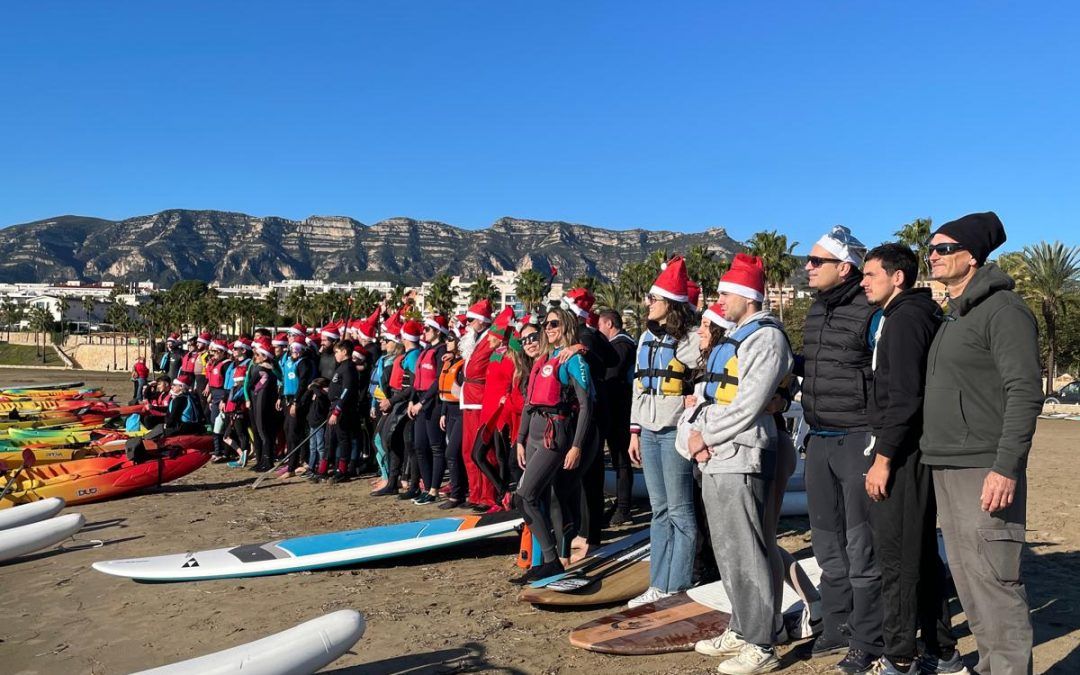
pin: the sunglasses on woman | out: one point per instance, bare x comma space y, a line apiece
553, 323
944, 249
817, 261
530, 338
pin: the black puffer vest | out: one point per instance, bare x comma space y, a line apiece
837, 372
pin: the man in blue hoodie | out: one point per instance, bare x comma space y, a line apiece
983, 396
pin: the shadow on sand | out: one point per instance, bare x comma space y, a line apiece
469, 658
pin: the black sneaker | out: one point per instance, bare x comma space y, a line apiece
450, 504
620, 517
823, 646
409, 494
423, 499
930, 664
856, 662
539, 572
385, 492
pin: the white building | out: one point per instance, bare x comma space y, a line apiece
505, 284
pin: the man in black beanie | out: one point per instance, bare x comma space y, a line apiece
983, 396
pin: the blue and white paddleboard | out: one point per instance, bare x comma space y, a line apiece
315, 552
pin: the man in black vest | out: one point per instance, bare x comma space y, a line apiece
837, 375
616, 391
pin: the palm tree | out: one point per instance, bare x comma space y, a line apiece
88, 309
916, 235
705, 268
483, 287
531, 289
397, 296
41, 319
295, 303
777, 257
585, 281
441, 295
1053, 283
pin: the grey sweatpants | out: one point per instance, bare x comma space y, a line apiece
984, 557
735, 507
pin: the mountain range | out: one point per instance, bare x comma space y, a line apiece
235, 248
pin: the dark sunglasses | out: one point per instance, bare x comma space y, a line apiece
530, 338
553, 323
816, 261
944, 249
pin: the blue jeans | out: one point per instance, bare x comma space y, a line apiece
673, 531
316, 449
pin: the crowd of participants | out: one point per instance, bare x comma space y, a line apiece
916, 417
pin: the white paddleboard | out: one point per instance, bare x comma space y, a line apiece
713, 595
24, 514
794, 500
333, 549
299, 650
17, 541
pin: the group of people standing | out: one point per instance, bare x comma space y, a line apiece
916, 417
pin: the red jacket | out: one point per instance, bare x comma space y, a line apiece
500, 377
476, 368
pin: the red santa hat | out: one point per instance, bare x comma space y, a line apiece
297, 329
330, 331
504, 323
745, 278
439, 323
693, 293
280, 340
369, 327
263, 346
412, 331
481, 311
593, 320
298, 343
173, 337
358, 352
392, 327
204, 338
579, 301
182, 380
242, 343
219, 345
673, 282
715, 315
461, 324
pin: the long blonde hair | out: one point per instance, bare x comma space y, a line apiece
569, 324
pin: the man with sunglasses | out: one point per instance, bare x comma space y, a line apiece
836, 373
983, 395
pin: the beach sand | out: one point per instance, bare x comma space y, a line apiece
446, 612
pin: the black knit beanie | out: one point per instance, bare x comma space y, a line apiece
978, 233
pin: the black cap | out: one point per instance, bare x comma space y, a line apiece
978, 233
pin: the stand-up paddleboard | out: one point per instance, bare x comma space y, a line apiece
25, 539
30, 513
300, 650
607, 552
715, 597
614, 582
673, 624
333, 549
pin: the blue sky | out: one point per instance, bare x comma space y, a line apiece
686, 115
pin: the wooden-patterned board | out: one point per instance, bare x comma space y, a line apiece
670, 625
617, 581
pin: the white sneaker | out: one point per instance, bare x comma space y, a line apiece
750, 659
651, 595
727, 644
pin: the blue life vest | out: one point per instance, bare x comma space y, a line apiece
192, 412
721, 376
659, 372
290, 382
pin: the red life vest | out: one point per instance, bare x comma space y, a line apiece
426, 370
187, 362
397, 372
215, 374
545, 390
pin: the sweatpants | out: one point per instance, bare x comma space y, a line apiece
617, 439
842, 538
455, 466
339, 442
296, 430
592, 486
912, 574
735, 506
430, 443
984, 556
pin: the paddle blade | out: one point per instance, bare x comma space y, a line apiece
28, 457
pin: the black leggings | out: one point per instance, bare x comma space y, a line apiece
459, 482
295, 432
240, 434
429, 440
493, 472
592, 487
266, 428
544, 477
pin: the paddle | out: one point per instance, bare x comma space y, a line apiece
602, 557
260, 479
576, 583
28, 459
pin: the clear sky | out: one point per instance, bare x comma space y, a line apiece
675, 115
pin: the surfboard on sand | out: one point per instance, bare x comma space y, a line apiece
616, 581
609, 551
305, 648
314, 552
672, 624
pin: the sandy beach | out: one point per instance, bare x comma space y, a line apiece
447, 612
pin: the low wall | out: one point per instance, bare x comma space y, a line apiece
104, 357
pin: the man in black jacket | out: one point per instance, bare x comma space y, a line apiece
983, 397
615, 390
344, 392
903, 514
836, 375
